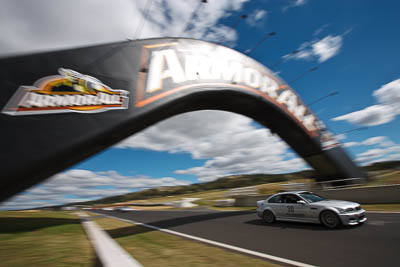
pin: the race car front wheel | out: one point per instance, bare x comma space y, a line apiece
268, 216
330, 219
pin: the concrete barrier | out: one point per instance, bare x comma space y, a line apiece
248, 201
387, 194
242, 191
184, 203
224, 202
107, 249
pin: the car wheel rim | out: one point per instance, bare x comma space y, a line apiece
268, 217
330, 219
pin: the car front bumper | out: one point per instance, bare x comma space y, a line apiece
353, 218
260, 212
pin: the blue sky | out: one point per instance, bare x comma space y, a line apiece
354, 44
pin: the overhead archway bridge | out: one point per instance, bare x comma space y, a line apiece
58, 108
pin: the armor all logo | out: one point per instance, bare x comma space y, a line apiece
70, 91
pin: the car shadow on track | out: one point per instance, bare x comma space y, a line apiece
299, 225
172, 222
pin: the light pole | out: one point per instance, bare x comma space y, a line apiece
356, 129
304, 74
248, 51
283, 59
323, 97
244, 16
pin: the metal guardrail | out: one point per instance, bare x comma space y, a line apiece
332, 184
295, 186
242, 191
336, 184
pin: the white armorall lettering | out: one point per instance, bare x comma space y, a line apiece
26, 100
115, 99
231, 71
269, 87
164, 64
289, 99
309, 121
191, 67
59, 101
82, 100
252, 77
299, 112
32, 99
37, 100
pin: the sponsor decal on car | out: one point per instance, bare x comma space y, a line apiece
70, 91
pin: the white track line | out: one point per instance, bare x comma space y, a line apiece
242, 250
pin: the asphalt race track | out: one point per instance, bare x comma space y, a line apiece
376, 243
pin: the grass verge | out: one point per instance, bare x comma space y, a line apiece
381, 207
233, 208
385, 178
154, 248
43, 239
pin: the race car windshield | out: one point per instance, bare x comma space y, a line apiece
311, 197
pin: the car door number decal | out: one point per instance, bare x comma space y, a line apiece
291, 213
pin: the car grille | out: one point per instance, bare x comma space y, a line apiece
353, 209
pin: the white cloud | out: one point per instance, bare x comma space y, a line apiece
388, 97
350, 144
378, 154
340, 137
84, 185
327, 47
370, 116
380, 141
321, 50
39, 25
238, 164
321, 29
204, 134
377, 140
294, 3
384, 149
371, 154
300, 2
256, 17
230, 143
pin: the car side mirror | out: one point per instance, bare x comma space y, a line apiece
301, 202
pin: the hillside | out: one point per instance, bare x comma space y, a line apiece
228, 182
384, 165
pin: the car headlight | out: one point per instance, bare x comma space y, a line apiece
341, 210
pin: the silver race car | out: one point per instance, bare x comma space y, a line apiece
303, 206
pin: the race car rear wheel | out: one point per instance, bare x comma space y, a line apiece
268, 216
330, 219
